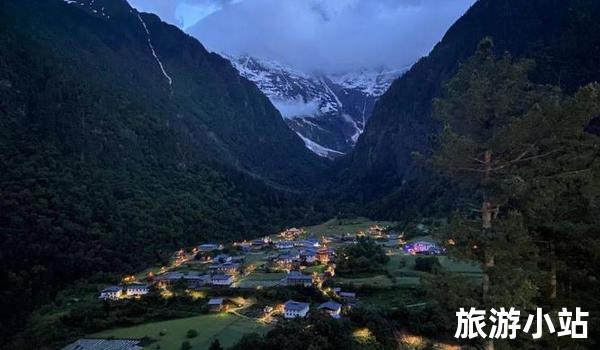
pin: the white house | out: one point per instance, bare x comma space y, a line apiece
293, 309
136, 289
215, 304
88, 344
209, 247
222, 280
332, 308
195, 280
112, 293
297, 278
284, 245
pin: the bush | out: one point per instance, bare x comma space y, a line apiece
186, 345
192, 333
429, 264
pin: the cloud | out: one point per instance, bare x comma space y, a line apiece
183, 13
317, 35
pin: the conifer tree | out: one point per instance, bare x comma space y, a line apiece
497, 123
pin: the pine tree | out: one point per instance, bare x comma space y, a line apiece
497, 123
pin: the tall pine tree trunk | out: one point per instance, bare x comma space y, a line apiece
486, 227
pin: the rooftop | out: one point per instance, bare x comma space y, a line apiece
331, 305
215, 301
221, 277
104, 344
293, 305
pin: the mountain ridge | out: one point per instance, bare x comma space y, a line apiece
559, 35
328, 111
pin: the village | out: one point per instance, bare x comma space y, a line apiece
292, 258
222, 290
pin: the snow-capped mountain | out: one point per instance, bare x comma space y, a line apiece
329, 112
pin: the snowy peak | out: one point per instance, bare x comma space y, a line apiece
328, 111
294, 93
372, 83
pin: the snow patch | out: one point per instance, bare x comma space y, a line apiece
318, 149
297, 107
162, 68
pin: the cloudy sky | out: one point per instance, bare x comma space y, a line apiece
315, 35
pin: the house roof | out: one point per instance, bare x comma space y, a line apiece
221, 277
191, 277
215, 301
293, 305
170, 276
104, 344
348, 294
137, 286
212, 246
331, 305
111, 289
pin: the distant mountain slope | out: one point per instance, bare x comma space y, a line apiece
329, 112
121, 139
563, 36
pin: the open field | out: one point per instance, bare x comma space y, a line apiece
342, 226
262, 279
225, 327
381, 281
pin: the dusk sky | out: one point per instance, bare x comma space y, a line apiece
316, 35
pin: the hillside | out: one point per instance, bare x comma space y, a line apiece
118, 131
561, 36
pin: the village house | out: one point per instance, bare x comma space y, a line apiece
136, 289
104, 344
294, 309
209, 247
245, 246
332, 308
323, 256
297, 278
167, 279
222, 258
111, 293
195, 280
291, 233
222, 280
307, 243
347, 297
230, 268
215, 304
422, 247
284, 245
309, 256
285, 259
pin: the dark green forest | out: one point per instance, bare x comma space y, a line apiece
106, 166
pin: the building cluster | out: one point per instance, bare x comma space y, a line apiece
293, 254
297, 309
132, 290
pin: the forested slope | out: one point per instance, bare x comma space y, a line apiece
121, 139
562, 36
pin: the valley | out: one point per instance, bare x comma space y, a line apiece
262, 277
158, 194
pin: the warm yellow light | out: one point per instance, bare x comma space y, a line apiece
362, 333
412, 340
